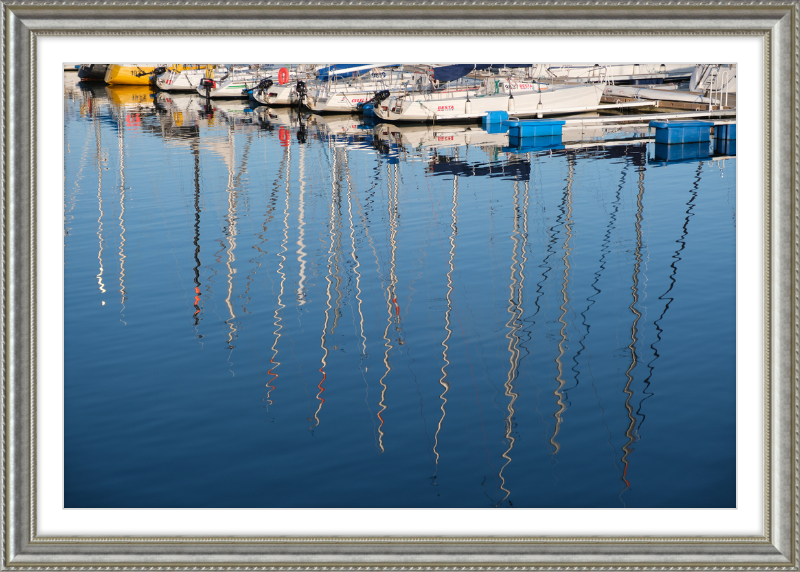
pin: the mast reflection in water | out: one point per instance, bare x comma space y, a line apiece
269, 310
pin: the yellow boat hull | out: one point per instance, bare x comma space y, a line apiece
128, 75
129, 95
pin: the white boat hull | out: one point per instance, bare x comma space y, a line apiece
344, 102
548, 101
186, 80
655, 94
230, 87
647, 73
278, 95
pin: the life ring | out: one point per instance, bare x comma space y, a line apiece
283, 76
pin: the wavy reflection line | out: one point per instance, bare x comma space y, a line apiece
338, 261
231, 232
520, 310
277, 319
353, 255
301, 224
514, 311
565, 302
268, 219
634, 331
673, 280
122, 293
523, 343
331, 253
391, 299
551, 250
237, 184
70, 200
357, 272
197, 284
99, 163
550, 236
393, 246
365, 224
401, 340
450, 263
604, 249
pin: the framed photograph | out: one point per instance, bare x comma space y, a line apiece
401, 315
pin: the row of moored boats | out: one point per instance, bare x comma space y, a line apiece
429, 93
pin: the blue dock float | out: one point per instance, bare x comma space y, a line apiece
494, 122
682, 132
534, 128
533, 144
684, 152
726, 132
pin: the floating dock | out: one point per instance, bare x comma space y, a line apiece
675, 141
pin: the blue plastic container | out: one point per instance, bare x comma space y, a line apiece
685, 152
494, 117
682, 132
725, 132
368, 109
527, 144
534, 128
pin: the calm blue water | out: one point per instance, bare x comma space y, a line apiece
261, 312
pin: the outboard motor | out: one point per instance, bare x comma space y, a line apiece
208, 84
263, 85
259, 88
376, 99
380, 96
159, 70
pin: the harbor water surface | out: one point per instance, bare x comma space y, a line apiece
264, 310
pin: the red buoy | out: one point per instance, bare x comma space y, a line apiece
283, 76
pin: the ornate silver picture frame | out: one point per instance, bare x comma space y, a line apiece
777, 23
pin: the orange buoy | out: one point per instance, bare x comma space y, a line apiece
284, 135
283, 76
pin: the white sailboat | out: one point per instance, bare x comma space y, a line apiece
345, 96
637, 74
538, 99
277, 93
233, 85
185, 80
715, 79
363, 80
